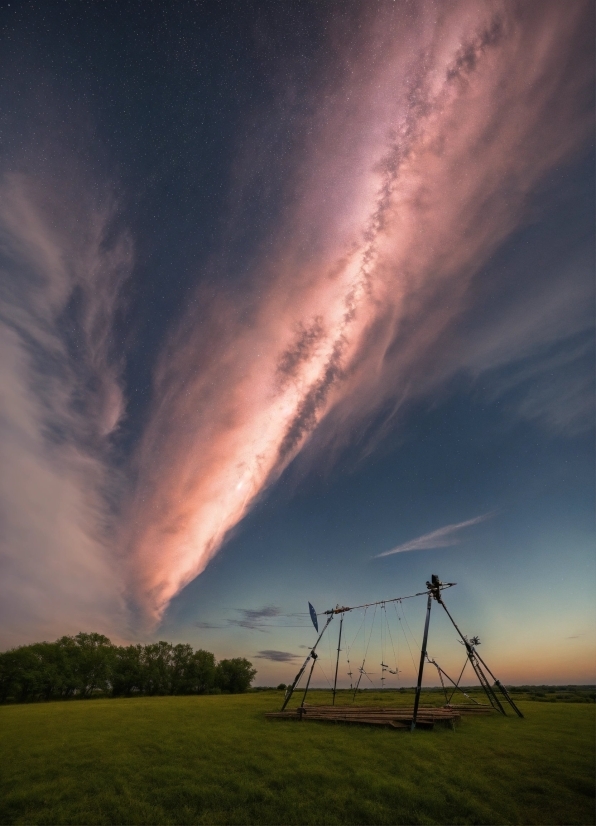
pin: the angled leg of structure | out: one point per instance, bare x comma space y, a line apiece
422, 658
500, 686
290, 690
440, 671
492, 697
442, 682
314, 659
461, 674
453, 683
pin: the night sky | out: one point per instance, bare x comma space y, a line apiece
286, 287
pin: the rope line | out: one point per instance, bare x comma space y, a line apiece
324, 674
349, 649
406, 639
409, 629
392, 646
382, 652
361, 669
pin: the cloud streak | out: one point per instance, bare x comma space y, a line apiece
276, 656
420, 164
259, 619
60, 399
440, 538
252, 618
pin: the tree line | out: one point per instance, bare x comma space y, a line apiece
87, 665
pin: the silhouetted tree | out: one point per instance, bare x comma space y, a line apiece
128, 670
21, 671
157, 664
180, 669
88, 663
8, 675
202, 671
92, 656
234, 675
51, 659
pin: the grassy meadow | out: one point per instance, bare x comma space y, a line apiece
217, 760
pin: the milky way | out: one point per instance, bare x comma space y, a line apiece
419, 163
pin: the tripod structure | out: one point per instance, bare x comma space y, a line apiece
433, 592
435, 586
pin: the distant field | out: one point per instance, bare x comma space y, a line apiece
216, 760
435, 696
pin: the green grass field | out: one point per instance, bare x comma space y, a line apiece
216, 759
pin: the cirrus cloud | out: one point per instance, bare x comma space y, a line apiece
276, 656
443, 537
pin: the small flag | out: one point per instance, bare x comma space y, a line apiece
313, 616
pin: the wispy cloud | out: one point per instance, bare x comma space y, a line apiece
260, 619
420, 164
60, 399
208, 626
536, 353
253, 617
276, 656
441, 538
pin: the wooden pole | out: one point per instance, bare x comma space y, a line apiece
314, 659
422, 659
499, 685
492, 697
341, 622
290, 690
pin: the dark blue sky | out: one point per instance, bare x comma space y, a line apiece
285, 287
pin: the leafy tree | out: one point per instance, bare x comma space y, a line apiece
157, 663
89, 662
234, 675
83, 664
128, 670
20, 673
202, 672
8, 675
68, 658
31, 673
180, 669
51, 669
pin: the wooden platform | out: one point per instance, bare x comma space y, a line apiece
396, 717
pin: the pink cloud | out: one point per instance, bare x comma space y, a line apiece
419, 165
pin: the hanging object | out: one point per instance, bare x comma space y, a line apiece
313, 616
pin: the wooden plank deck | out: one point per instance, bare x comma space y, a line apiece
396, 717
